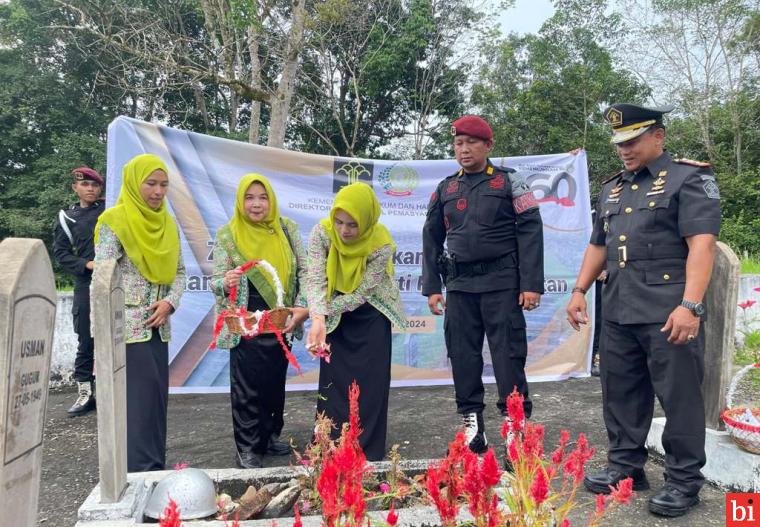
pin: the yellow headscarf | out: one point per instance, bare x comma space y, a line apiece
346, 262
264, 240
149, 237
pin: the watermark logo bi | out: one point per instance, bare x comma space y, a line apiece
743, 509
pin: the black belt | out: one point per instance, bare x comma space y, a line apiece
486, 266
627, 253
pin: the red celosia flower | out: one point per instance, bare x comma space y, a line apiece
539, 490
297, 522
513, 452
515, 411
565, 523
559, 454
624, 491
533, 441
490, 471
576, 460
747, 304
392, 518
170, 517
601, 500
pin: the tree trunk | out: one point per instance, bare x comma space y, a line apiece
282, 98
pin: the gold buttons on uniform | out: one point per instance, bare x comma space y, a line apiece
666, 277
628, 210
651, 204
622, 238
634, 187
621, 265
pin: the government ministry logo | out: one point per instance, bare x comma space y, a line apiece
347, 171
398, 180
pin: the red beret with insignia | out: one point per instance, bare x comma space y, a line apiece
82, 173
473, 126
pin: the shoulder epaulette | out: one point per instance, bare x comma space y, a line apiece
684, 161
612, 177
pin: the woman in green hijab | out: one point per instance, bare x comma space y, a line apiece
141, 236
258, 366
353, 301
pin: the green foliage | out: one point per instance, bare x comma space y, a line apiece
750, 265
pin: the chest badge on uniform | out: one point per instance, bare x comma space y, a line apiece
658, 184
452, 187
614, 196
461, 204
497, 183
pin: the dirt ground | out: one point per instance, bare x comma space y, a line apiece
421, 420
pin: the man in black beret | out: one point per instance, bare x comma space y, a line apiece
494, 270
655, 229
74, 250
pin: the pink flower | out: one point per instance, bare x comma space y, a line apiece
565, 523
181, 465
601, 500
747, 304
385, 488
756, 289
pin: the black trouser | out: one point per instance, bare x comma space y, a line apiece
147, 403
258, 369
498, 316
597, 319
85, 359
638, 363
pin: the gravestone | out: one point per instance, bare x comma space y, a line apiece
720, 301
27, 321
111, 371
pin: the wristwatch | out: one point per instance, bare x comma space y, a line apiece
697, 308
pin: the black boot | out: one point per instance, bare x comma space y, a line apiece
670, 501
249, 460
85, 401
277, 447
599, 482
474, 432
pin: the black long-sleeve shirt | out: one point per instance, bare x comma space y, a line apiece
73, 249
483, 217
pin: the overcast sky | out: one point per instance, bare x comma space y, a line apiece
526, 16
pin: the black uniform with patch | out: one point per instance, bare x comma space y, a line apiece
643, 219
494, 236
73, 253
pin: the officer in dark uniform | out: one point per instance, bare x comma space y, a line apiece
74, 250
494, 269
656, 227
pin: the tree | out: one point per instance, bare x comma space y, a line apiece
546, 93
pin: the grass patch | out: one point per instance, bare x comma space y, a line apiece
750, 265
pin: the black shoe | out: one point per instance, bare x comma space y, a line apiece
599, 482
474, 431
671, 502
85, 401
277, 447
250, 460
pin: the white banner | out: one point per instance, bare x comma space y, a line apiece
204, 172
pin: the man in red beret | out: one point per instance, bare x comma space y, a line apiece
74, 250
494, 270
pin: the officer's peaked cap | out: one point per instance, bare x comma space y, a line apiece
629, 121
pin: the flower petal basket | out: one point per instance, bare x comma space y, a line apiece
249, 324
739, 424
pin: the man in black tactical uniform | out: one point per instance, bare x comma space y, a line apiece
656, 227
74, 250
494, 269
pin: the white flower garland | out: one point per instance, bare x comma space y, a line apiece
272, 272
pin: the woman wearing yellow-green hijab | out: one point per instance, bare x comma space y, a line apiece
141, 236
258, 366
353, 302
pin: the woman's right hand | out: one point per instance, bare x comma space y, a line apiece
317, 334
231, 279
